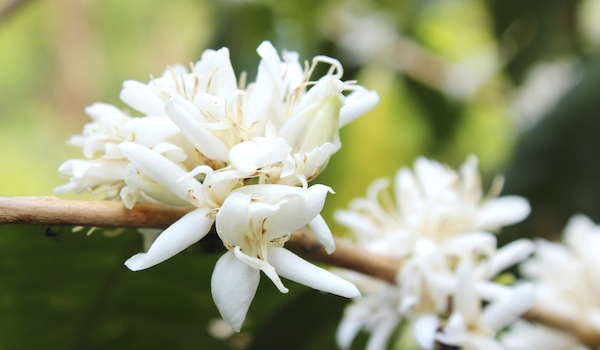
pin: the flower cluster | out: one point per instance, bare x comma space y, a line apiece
567, 279
242, 155
440, 226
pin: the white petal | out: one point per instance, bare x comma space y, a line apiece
483, 343
382, 332
87, 174
138, 183
186, 231
579, 235
323, 233
407, 192
178, 109
491, 291
216, 66
433, 177
170, 151
471, 180
266, 96
347, 331
161, 170
149, 235
106, 114
249, 156
503, 312
233, 285
470, 245
466, 300
293, 72
244, 156
357, 104
262, 265
510, 254
149, 131
424, 329
298, 206
292, 267
234, 217
316, 119
140, 97
454, 332
356, 222
501, 212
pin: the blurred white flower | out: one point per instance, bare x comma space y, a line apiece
524, 335
363, 34
587, 21
464, 79
471, 328
376, 313
433, 203
437, 220
567, 280
544, 86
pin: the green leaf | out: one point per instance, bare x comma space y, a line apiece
73, 292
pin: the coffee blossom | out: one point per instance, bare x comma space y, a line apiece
242, 155
440, 225
567, 280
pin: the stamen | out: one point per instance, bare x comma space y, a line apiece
184, 87
496, 188
242, 80
200, 169
336, 66
263, 266
210, 80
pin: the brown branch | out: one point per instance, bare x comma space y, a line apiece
304, 243
585, 332
55, 211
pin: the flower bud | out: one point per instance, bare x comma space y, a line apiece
317, 119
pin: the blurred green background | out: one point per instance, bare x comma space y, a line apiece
513, 82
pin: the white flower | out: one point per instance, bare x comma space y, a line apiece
568, 275
437, 220
254, 223
275, 128
107, 130
106, 169
96, 176
203, 140
376, 313
231, 125
567, 280
283, 128
524, 335
433, 202
471, 328
212, 75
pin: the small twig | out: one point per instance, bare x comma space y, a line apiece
55, 211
